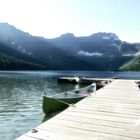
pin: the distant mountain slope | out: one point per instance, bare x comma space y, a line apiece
19, 60
39, 49
104, 51
11, 63
15, 53
133, 65
96, 44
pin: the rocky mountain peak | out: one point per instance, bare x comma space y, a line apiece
67, 36
105, 36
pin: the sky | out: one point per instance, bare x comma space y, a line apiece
52, 18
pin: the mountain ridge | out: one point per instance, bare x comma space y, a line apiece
39, 49
98, 51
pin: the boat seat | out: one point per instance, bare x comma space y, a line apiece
77, 91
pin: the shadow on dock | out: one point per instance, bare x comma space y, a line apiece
49, 116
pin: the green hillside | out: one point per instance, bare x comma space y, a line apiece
12, 63
133, 65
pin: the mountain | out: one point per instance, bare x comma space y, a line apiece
133, 65
99, 51
96, 44
39, 49
104, 51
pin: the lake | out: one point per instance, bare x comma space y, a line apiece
21, 96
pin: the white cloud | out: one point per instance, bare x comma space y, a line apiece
128, 55
89, 54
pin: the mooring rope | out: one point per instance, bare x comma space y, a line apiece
94, 90
61, 101
64, 102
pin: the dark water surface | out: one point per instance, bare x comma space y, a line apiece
20, 97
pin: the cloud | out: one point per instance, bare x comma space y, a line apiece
89, 54
128, 55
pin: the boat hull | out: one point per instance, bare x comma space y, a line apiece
50, 105
67, 80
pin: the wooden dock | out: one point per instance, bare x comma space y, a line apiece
113, 113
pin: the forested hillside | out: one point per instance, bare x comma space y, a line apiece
11, 63
133, 65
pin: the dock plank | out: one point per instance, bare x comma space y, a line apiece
113, 113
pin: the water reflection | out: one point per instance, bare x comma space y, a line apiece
21, 102
20, 97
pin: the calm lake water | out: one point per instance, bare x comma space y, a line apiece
20, 96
